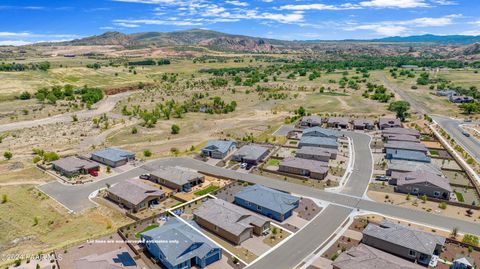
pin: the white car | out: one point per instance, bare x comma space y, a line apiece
243, 165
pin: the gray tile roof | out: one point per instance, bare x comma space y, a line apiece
424, 177
182, 237
407, 237
306, 164
366, 257
220, 145
338, 120
400, 137
405, 145
409, 166
316, 151
408, 155
268, 198
313, 131
363, 122
389, 122
228, 216
134, 191
318, 141
314, 119
176, 174
403, 131
73, 164
113, 154
251, 152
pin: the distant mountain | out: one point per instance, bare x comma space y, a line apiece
447, 39
207, 38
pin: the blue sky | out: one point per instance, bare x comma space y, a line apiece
29, 21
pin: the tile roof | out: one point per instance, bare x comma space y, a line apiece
220, 145
134, 191
366, 257
399, 130
113, 154
409, 155
312, 119
176, 174
316, 151
401, 137
339, 120
363, 122
389, 122
117, 259
409, 166
73, 164
251, 152
318, 141
268, 198
182, 237
405, 145
228, 216
407, 237
323, 131
306, 164
424, 177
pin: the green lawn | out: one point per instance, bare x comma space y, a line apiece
207, 190
148, 228
273, 162
460, 197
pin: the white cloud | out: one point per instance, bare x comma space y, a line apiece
33, 35
471, 32
316, 7
14, 43
394, 3
127, 25
237, 3
381, 29
159, 22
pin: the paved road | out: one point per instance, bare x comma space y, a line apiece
102, 107
452, 127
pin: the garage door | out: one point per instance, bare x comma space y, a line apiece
212, 259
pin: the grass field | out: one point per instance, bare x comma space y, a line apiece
207, 190
30, 222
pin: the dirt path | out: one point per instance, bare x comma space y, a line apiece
403, 94
104, 106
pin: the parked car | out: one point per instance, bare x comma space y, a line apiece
145, 176
243, 165
466, 134
93, 173
249, 166
467, 120
382, 178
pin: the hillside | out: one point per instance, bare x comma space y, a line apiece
447, 39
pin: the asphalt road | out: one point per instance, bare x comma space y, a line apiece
104, 106
452, 127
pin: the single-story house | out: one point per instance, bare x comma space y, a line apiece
304, 167
252, 154
338, 122
268, 202
315, 141
384, 123
320, 132
311, 121
446, 93
316, 153
399, 137
72, 166
116, 259
113, 157
402, 241
134, 195
461, 99
176, 245
405, 145
400, 167
406, 155
366, 257
401, 131
219, 149
177, 178
423, 183
230, 221
363, 124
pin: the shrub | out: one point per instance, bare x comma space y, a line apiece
442, 205
147, 153
8, 155
175, 129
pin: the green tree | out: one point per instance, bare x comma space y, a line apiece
175, 129
400, 108
470, 108
8, 155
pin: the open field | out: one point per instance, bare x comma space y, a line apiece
31, 222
